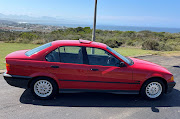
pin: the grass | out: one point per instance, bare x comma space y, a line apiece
6, 48
133, 51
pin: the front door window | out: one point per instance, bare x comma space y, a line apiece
101, 57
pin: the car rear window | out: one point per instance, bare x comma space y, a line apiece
35, 50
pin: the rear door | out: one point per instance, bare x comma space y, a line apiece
66, 63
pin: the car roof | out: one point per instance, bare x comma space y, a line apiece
80, 42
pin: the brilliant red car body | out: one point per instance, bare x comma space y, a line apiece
23, 69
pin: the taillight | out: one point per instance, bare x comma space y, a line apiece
7, 67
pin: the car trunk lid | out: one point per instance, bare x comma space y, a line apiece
17, 55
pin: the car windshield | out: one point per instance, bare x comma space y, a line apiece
126, 59
35, 50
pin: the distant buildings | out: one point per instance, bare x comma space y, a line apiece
26, 27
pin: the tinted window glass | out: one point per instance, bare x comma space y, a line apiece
35, 50
71, 54
120, 56
101, 57
70, 49
53, 56
96, 51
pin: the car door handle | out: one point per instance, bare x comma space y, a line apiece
54, 66
94, 69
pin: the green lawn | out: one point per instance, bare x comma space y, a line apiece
6, 48
133, 51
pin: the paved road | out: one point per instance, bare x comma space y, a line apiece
16, 103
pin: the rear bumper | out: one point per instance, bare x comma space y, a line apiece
17, 81
170, 87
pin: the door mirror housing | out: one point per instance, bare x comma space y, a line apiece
122, 64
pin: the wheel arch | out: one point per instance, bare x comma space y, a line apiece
159, 78
30, 81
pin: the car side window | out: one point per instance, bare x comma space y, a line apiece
53, 56
71, 54
101, 57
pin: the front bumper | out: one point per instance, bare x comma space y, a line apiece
170, 87
17, 81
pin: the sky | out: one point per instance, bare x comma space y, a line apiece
149, 13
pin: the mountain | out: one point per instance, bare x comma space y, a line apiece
2, 15
36, 20
6, 22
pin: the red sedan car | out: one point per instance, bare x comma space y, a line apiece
84, 66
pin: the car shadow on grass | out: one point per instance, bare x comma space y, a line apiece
104, 100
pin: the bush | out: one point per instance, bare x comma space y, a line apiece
155, 45
165, 47
130, 43
42, 41
150, 45
128, 33
113, 43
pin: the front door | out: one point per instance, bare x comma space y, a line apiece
104, 72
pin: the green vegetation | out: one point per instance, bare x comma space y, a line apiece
147, 40
134, 51
6, 48
127, 43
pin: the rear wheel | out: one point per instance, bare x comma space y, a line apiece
44, 88
153, 89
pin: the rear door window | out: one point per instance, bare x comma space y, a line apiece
71, 54
66, 54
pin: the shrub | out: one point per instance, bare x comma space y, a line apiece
128, 33
42, 41
155, 45
113, 43
165, 47
150, 45
130, 43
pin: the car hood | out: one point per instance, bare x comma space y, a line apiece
146, 65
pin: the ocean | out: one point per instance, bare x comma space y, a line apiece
121, 28
134, 28
129, 28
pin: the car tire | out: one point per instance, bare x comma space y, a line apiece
44, 88
153, 89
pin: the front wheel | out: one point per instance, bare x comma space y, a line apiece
153, 89
44, 88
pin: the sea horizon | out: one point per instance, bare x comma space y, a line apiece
120, 28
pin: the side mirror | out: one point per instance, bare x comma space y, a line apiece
121, 64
